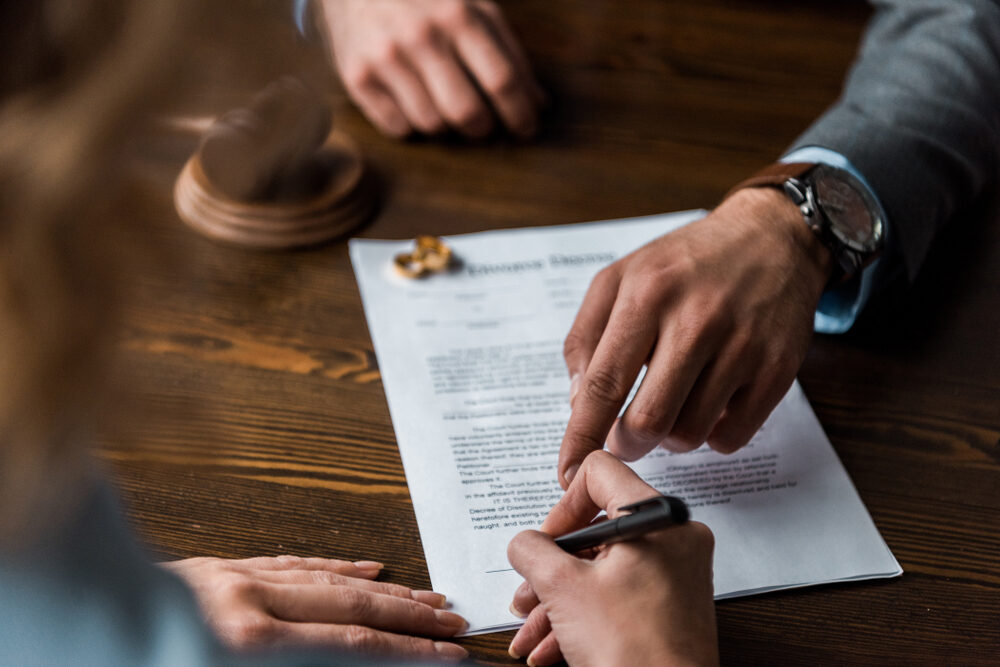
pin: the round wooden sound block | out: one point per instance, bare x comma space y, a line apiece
341, 205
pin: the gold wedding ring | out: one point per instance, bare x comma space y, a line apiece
431, 255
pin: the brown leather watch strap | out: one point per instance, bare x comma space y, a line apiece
773, 175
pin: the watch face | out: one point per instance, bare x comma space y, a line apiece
848, 207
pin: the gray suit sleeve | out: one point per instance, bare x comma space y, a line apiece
919, 116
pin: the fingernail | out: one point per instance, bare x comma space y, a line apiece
531, 661
368, 565
450, 651
512, 653
450, 620
431, 598
571, 472
517, 613
574, 388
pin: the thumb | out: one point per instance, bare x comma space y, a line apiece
545, 566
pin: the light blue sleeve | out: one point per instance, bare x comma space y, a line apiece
840, 305
299, 8
83, 593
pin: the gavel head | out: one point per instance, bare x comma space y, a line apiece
269, 150
272, 174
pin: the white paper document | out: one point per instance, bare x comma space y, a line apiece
471, 361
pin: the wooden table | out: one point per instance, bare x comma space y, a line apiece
264, 427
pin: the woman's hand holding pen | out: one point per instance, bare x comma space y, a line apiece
645, 601
265, 602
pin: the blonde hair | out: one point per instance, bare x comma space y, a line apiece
78, 74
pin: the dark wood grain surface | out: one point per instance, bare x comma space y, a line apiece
262, 426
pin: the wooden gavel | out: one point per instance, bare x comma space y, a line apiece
272, 175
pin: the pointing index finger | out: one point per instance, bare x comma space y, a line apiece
612, 371
590, 321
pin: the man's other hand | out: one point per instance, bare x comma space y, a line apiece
427, 65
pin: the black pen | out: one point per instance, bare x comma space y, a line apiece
645, 517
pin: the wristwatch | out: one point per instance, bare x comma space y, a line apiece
835, 205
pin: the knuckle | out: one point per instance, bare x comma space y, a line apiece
688, 329
576, 343
746, 345
715, 315
361, 638
684, 265
358, 76
249, 630
358, 604
397, 590
643, 294
237, 586
454, 14
644, 426
386, 52
702, 326
580, 442
420, 34
326, 578
675, 270
418, 646
605, 387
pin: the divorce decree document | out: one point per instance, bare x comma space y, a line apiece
471, 361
